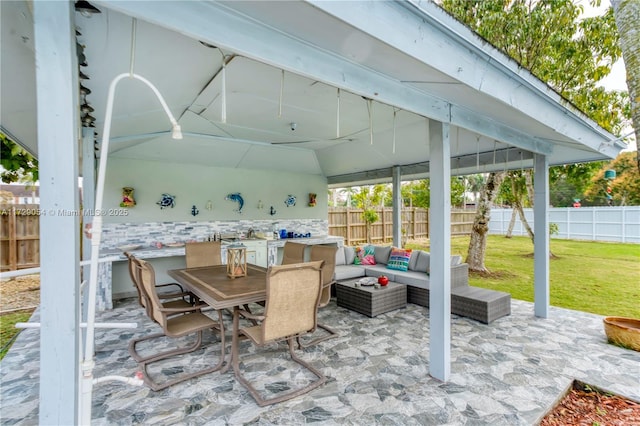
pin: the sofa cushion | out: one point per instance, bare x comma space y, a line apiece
412, 278
349, 255
414, 259
422, 264
381, 253
340, 256
399, 259
377, 270
345, 272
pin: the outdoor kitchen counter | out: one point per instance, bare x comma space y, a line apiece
274, 247
113, 279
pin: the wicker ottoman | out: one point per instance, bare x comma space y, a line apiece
480, 304
369, 300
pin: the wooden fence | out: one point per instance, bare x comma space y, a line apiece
19, 236
349, 224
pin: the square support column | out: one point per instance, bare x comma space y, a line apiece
57, 101
440, 239
397, 207
541, 236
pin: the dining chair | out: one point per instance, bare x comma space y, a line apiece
205, 253
177, 299
292, 296
293, 253
175, 322
327, 254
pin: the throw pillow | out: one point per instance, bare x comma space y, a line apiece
369, 255
357, 260
399, 259
365, 256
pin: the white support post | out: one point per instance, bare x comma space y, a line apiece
397, 207
88, 201
57, 101
440, 239
541, 236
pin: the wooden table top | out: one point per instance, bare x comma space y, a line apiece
212, 285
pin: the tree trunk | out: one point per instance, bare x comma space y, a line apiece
518, 207
627, 15
512, 223
478, 241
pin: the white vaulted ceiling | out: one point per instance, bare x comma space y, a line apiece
412, 60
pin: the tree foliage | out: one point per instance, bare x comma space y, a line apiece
627, 15
17, 163
548, 38
625, 188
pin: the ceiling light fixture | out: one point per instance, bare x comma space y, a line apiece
84, 90
86, 9
86, 108
83, 76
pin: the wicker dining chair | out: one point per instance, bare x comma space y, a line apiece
327, 254
293, 253
175, 322
293, 292
205, 253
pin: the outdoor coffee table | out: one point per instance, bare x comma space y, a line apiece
371, 301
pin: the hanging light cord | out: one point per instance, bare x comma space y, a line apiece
133, 46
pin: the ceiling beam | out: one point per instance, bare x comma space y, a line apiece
429, 34
220, 25
501, 159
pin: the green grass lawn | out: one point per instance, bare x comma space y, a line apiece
602, 278
7, 329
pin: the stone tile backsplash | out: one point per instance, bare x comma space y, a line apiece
147, 234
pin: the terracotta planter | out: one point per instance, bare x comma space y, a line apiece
623, 332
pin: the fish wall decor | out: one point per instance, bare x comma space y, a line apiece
238, 199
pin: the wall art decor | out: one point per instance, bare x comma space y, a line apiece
167, 200
209, 205
260, 205
237, 198
194, 210
290, 200
272, 211
312, 199
127, 197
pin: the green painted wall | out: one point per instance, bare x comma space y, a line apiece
193, 184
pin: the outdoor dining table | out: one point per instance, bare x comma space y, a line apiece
212, 286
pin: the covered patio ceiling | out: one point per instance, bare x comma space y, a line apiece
285, 63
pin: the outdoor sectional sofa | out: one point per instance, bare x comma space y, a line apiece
477, 303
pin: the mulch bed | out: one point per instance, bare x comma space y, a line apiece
19, 293
588, 405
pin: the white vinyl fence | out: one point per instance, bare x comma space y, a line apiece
619, 224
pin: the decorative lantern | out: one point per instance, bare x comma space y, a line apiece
236, 262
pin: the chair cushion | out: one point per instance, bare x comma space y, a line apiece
381, 253
399, 259
456, 260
